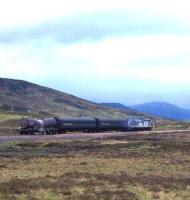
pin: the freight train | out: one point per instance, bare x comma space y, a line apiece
57, 125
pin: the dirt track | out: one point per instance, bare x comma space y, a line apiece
75, 136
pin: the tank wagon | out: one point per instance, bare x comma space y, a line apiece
58, 125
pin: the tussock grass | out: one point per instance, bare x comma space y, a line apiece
108, 169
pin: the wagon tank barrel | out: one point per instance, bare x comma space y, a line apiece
49, 122
55, 125
27, 123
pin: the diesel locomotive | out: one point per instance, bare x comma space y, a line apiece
58, 125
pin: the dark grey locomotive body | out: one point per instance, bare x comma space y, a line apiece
61, 125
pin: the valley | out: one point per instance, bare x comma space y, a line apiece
109, 165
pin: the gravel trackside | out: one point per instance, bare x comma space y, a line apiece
79, 136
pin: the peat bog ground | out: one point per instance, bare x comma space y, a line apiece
154, 166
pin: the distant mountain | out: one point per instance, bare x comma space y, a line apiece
25, 97
115, 105
163, 110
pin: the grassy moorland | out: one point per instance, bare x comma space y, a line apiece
149, 167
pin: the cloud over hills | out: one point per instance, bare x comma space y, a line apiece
120, 49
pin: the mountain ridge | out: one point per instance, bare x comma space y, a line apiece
164, 110
115, 105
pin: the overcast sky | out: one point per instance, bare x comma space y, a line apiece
127, 51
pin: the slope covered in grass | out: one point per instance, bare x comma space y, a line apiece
23, 96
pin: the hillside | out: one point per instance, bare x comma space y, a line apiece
163, 110
24, 97
115, 105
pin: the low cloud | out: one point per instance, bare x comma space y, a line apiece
125, 50
91, 27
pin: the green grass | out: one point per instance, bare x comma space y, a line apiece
110, 169
4, 116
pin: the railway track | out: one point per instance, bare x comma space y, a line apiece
78, 136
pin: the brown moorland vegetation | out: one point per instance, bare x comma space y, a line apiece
149, 167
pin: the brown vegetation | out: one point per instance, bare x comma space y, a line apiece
145, 168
